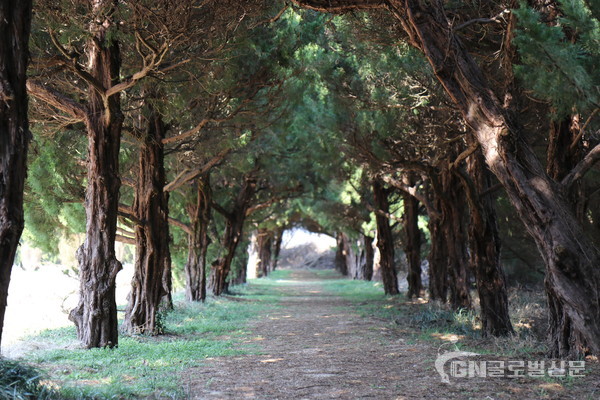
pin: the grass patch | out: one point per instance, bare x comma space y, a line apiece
367, 298
143, 366
19, 381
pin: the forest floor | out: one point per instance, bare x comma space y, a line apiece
322, 341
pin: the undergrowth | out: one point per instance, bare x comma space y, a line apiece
19, 381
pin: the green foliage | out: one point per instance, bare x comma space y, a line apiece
559, 62
54, 194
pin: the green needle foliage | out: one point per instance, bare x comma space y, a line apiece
559, 62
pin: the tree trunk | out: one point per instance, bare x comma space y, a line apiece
231, 237
412, 243
151, 280
452, 200
362, 263
484, 243
438, 261
341, 253
277, 247
265, 253
15, 27
385, 241
195, 268
562, 157
369, 258
241, 275
96, 314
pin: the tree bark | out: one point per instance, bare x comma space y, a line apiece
452, 200
362, 263
385, 241
412, 244
438, 261
277, 246
562, 157
341, 253
151, 283
198, 241
484, 244
15, 27
570, 255
96, 314
369, 258
265, 252
233, 231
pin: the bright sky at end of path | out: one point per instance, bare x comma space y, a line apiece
300, 236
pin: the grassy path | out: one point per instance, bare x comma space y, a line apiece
314, 346
335, 340
299, 334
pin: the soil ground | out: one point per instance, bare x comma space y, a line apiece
316, 345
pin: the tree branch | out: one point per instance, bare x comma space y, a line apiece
582, 130
71, 62
340, 6
57, 100
124, 239
482, 20
184, 227
217, 207
412, 190
187, 176
151, 63
582, 167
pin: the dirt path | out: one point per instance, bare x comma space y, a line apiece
315, 347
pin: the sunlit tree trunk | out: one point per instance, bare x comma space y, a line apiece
96, 314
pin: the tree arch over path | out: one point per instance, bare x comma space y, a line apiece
571, 257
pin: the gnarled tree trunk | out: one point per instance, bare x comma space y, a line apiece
484, 244
385, 240
195, 267
452, 200
150, 285
412, 243
96, 314
233, 231
15, 24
